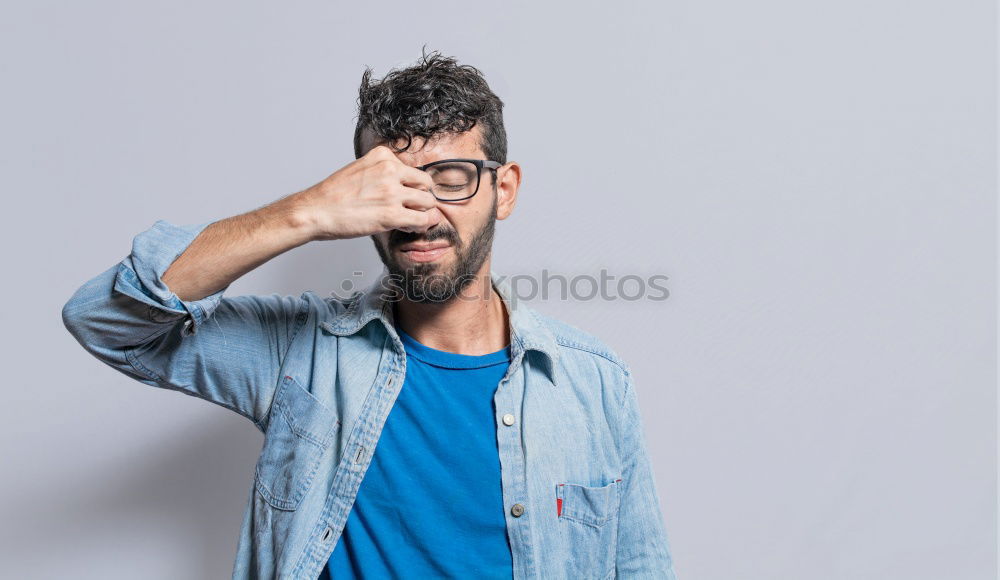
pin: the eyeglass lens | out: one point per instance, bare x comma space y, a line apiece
454, 180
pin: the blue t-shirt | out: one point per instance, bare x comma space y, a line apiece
430, 504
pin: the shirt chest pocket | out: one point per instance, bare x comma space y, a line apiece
299, 432
588, 522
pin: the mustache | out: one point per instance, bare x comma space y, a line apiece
398, 237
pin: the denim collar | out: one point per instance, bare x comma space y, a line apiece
527, 331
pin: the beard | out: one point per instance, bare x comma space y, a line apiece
432, 282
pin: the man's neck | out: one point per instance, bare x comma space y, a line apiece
473, 323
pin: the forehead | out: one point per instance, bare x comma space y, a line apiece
421, 152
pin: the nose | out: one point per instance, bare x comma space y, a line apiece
435, 217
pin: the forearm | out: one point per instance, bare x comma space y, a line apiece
229, 248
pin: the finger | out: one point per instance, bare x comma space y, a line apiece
410, 220
417, 198
416, 178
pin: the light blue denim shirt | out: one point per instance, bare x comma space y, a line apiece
319, 375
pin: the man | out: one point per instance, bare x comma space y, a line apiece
428, 427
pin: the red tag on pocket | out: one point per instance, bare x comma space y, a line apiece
558, 506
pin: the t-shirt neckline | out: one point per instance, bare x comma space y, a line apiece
451, 360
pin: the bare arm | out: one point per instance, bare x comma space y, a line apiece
229, 248
368, 196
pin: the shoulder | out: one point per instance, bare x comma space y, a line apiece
580, 350
590, 375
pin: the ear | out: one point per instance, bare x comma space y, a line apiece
508, 182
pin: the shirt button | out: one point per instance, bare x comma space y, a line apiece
516, 510
508, 419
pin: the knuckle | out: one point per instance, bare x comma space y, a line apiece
379, 151
391, 218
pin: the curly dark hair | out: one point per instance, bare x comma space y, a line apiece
433, 97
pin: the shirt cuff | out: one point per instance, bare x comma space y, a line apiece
140, 275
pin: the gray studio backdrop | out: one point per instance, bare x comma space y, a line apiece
816, 179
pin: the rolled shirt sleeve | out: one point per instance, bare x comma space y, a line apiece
140, 274
227, 350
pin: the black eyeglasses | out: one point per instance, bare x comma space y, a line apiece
457, 179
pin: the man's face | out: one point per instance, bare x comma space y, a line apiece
466, 232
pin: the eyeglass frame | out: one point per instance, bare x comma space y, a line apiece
479, 163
